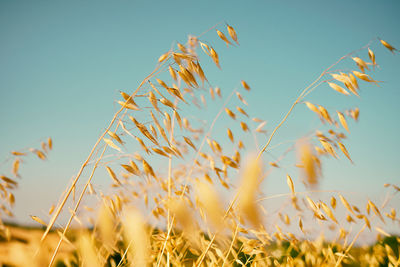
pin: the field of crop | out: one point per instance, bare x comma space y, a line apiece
183, 194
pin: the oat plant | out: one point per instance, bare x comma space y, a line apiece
182, 194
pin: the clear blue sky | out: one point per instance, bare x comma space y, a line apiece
62, 64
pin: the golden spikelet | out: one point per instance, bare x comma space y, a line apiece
128, 168
343, 120
182, 47
128, 105
388, 46
16, 153
241, 98
172, 73
214, 57
167, 103
353, 81
376, 210
115, 136
273, 164
37, 219
50, 143
148, 169
153, 131
325, 114
39, 154
355, 113
200, 72
333, 202
361, 63
232, 33
242, 111
128, 98
340, 77
162, 83
189, 142
344, 150
113, 176
163, 57
212, 94
15, 167
8, 181
328, 147
260, 127
244, 126
218, 91
289, 181
223, 37
51, 209
301, 225
371, 56
153, 101
110, 143
329, 212
363, 76
205, 48
142, 144
230, 135
312, 107
346, 204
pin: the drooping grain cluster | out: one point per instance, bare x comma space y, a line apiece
8, 182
